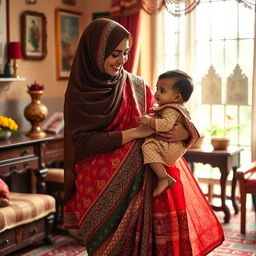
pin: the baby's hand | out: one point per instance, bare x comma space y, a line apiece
144, 119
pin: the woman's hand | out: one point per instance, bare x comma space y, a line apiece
143, 131
177, 133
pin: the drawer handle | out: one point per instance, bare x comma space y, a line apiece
13, 168
34, 231
26, 165
5, 242
24, 152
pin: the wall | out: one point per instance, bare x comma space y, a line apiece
14, 100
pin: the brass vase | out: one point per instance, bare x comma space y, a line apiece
35, 113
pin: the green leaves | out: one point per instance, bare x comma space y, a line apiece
220, 132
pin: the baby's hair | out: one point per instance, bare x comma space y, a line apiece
183, 84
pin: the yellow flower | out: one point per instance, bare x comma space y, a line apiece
7, 124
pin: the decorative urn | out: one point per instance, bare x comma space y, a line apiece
36, 112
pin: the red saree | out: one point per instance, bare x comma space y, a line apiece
114, 208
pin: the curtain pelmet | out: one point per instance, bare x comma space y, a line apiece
180, 7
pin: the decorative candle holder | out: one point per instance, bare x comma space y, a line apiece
35, 113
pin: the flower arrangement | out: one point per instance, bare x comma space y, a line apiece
7, 124
221, 132
35, 87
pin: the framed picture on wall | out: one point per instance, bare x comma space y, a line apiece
68, 29
33, 35
3, 34
97, 15
69, 2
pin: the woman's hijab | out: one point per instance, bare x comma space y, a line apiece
92, 98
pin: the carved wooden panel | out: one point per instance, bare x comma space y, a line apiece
211, 87
237, 87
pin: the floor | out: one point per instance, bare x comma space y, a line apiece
234, 244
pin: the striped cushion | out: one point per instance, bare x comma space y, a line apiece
25, 208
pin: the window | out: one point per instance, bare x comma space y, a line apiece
217, 37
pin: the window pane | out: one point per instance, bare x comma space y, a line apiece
245, 59
245, 125
246, 22
203, 58
217, 20
230, 56
230, 20
203, 123
218, 55
202, 21
218, 115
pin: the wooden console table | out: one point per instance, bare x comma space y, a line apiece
20, 153
225, 160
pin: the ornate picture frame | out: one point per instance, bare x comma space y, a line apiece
68, 30
69, 2
33, 35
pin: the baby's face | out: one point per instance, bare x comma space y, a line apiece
165, 93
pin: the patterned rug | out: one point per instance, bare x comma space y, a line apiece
234, 244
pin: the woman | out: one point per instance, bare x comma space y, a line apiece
108, 190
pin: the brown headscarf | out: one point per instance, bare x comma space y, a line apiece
92, 98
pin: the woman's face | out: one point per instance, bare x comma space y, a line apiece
115, 61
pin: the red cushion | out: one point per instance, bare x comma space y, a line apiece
4, 194
251, 181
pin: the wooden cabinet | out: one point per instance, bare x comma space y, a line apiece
23, 165
20, 154
21, 236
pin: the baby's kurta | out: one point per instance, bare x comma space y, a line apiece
158, 151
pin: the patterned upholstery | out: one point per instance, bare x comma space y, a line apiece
24, 209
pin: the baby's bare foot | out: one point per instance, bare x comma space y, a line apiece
163, 184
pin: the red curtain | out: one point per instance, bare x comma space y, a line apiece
132, 24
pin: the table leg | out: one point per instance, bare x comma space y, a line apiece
233, 191
223, 207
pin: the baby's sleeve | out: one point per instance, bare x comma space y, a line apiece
167, 120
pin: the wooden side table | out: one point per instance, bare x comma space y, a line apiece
225, 160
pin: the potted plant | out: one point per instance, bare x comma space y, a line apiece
7, 127
219, 135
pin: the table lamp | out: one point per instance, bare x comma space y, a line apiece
14, 52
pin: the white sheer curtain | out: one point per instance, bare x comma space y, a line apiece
184, 54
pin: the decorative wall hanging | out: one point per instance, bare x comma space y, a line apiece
211, 87
33, 35
237, 87
68, 25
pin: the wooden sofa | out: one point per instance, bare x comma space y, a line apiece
30, 216
28, 219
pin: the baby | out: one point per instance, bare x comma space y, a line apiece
173, 89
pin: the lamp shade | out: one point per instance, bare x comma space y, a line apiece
14, 50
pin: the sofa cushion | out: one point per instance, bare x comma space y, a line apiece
4, 194
25, 208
